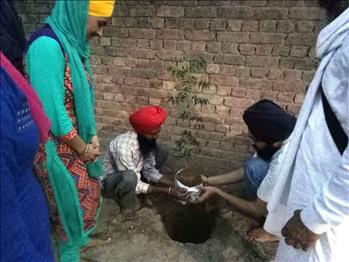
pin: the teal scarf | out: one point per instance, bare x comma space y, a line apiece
69, 22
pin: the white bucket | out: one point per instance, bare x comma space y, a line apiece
194, 191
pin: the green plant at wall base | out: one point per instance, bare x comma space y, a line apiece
185, 100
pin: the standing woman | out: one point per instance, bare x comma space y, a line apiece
57, 63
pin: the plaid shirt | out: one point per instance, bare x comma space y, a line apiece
124, 151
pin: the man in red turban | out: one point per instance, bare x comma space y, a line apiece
134, 160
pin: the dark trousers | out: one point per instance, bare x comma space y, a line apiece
120, 185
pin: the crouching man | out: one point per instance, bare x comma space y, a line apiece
270, 128
134, 160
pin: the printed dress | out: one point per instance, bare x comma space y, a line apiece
88, 188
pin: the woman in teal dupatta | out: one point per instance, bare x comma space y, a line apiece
57, 63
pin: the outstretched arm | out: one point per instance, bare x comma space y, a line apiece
234, 176
256, 209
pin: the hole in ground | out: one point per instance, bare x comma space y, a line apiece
191, 223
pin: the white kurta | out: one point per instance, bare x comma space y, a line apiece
316, 177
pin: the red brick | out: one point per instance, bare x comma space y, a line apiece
199, 11
238, 92
259, 72
267, 38
224, 80
305, 26
198, 46
202, 23
222, 110
172, 23
272, 13
293, 109
309, 13
299, 51
285, 26
156, 44
285, 97
250, 26
215, 100
170, 11
142, 53
222, 128
281, 50
247, 49
142, 11
235, 25
242, 72
275, 74
297, 63
229, 59
142, 33
262, 61
183, 45
105, 41
308, 76
237, 102
230, 48
208, 108
267, 26
291, 74
170, 44
213, 47
224, 90
214, 144
264, 49
143, 100
236, 12
212, 69
289, 85
119, 98
173, 34
299, 98
233, 37
199, 35
155, 101
304, 39
187, 23
256, 83
157, 23
227, 70
269, 94
218, 24
211, 90
143, 43
132, 81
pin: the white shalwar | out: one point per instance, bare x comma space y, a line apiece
315, 176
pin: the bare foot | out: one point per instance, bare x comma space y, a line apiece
95, 242
260, 235
128, 214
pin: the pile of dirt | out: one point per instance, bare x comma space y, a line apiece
188, 178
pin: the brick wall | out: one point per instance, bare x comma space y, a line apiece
253, 50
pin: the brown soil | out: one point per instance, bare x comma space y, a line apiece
188, 178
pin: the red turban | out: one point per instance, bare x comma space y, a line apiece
148, 119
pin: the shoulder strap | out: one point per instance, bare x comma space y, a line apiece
337, 132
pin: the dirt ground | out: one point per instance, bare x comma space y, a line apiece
145, 238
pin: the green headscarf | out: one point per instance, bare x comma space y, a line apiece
69, 22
